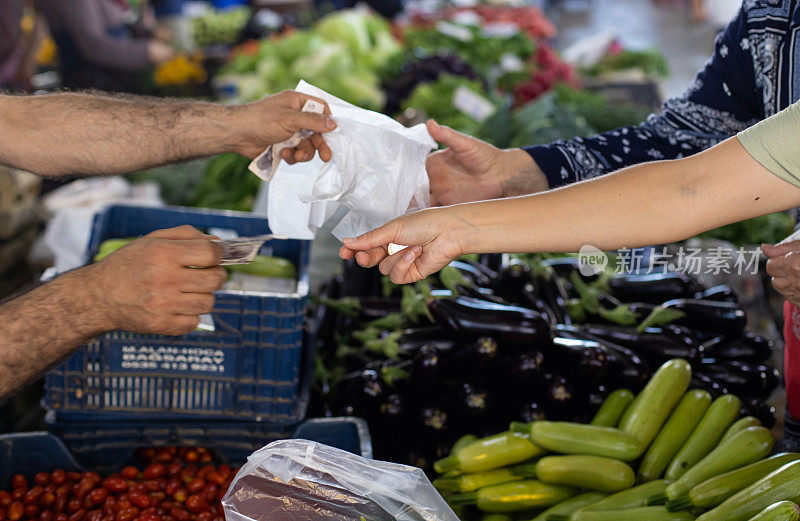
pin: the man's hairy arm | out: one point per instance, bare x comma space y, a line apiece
45, 325
62, 134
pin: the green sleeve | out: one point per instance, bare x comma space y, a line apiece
775, 143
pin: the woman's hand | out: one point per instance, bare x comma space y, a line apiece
434, 238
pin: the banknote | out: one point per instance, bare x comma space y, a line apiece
242, 250
265, 165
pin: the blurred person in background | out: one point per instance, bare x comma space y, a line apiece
18, 46
106, 44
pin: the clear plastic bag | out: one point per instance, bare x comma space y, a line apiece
377, 173
300, 480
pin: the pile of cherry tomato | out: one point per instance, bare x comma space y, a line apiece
176, 484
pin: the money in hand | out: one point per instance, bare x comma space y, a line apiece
242, 250
265, 165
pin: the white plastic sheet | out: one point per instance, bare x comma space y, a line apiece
300, 480
377, 174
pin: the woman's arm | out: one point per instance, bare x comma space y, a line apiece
647, 204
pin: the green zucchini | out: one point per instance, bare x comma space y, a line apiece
781, 485
490, 453
781, 511
714, 491
515, 497
264, 266
562, 511
576, 438
587, 472
674, 434
462, 442
633, 514
632, 498
650, 409
743, 448
474, 481
719, 416
613, 408
740, 425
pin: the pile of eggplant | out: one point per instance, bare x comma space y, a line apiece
486, 341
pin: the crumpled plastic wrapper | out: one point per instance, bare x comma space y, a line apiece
300, 480
377, 173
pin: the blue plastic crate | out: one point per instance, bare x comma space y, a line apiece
31, 452
253, 367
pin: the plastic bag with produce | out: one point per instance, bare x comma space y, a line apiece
291, 480
377, 173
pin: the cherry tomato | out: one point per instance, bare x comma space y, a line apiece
73, 505
127, 514
32, 510
157, 497
5, 498
19, 481
18, 493
73, 476
172, 487
180, 495
192, 457
108, 505
94, 515
154, 470
61, 517
77, 515
60, 504
46, 515
47, 499
210, 492
15, 511
97, 496
115, 485
42, 478
58, 477
139, 499
33, 495
206, 458
195, 486
196, 503
174, 468
130, 473
205, 516
180, 514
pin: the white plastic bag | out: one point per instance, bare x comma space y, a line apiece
300, 480
377, 174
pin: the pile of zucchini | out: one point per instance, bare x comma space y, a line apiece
668, 454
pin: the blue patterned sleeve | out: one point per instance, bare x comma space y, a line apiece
721, 101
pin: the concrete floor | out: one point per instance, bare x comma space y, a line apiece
638, 24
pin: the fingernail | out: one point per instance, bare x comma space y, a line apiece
409, 256
330, 123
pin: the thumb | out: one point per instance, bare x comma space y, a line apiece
376, 238
180, 233
448, 137
779, 250
319, 123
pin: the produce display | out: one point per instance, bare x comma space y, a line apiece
172, 483
701, 461
476, 347
219, 26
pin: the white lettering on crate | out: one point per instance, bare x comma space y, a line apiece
173, 358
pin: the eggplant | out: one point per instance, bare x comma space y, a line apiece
478, 266
764, 412
427, 369
630, 371
523, 371
360, 282
563, 266
478, 358
473, 404
363, 392
492, 261
510, 325
741, 378
434, 421
641, 309
595, 396
372, 308
550, 289
710, 315
589, 360
393, 410
559, 396
721, 293
414, 338
653, 288
532, 301
510, 282
745, 348
706, 383
656, 345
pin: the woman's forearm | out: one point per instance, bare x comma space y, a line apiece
646, 204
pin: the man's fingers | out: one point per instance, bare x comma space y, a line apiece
448, 137
179, 233
780, 284
304, 151
203, 280
777, 250
199, 254
193, 304
322, 147
299, 100
319, 123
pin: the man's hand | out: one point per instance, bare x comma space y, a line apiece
276, 118
435, 236
784, 268
472, 170
160, 283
